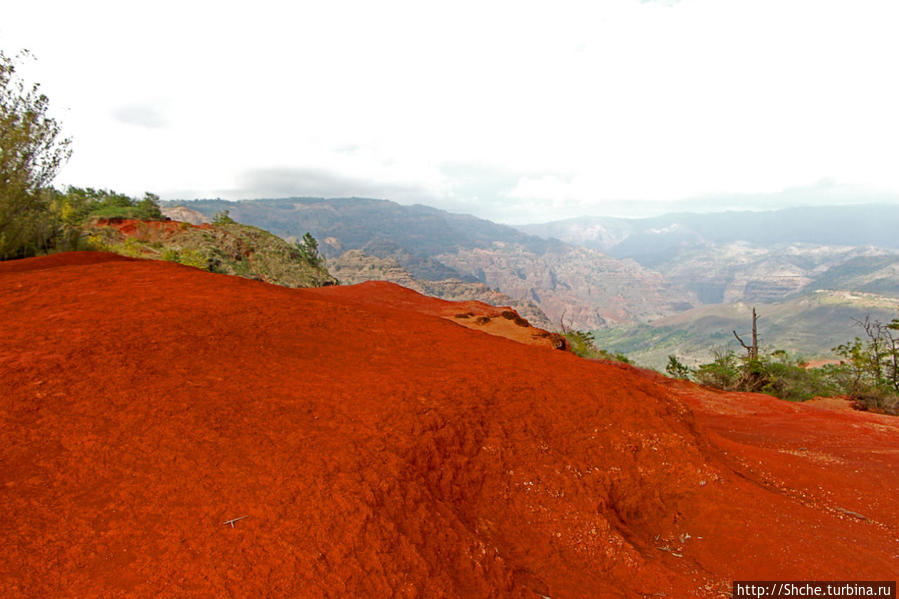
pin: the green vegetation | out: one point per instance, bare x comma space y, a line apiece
78, 206
35, 218
223, 218
233, 249
31, 153
91, 204
676, 369
581, 344
185, 257
775, 373
308, 250
872, 364
868, 372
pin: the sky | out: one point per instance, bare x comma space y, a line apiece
513, 111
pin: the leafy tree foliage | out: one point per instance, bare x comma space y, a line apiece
31, 153
872, 364
676, 369
308, 249
34, 217
78, 205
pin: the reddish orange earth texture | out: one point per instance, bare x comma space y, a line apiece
373, 447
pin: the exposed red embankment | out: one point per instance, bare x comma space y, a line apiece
378, 449
148, 230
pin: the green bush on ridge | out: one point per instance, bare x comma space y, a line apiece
868, 371
581, 344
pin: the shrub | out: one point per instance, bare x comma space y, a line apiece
193, 258
788, 378
722, 373
581, 344
676, 369
775, 373
872, 365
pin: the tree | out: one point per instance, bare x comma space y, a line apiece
753, 349
677, 369
751, 369
308, 248
31, 153
875, 363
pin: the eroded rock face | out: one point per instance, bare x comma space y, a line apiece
586, 288
378, 449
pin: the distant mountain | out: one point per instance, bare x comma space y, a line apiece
872, 274
585, 287
650, 238
810, 271
750, 256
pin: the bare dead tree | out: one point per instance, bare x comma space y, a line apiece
751, 380
753, 349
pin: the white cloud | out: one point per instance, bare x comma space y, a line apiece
585, 103
141, 114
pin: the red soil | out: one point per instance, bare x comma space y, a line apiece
378, 449
148, 230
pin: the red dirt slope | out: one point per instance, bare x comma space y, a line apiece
378, 449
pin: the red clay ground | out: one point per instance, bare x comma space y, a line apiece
379, 449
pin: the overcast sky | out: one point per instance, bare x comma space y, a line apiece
513, 111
